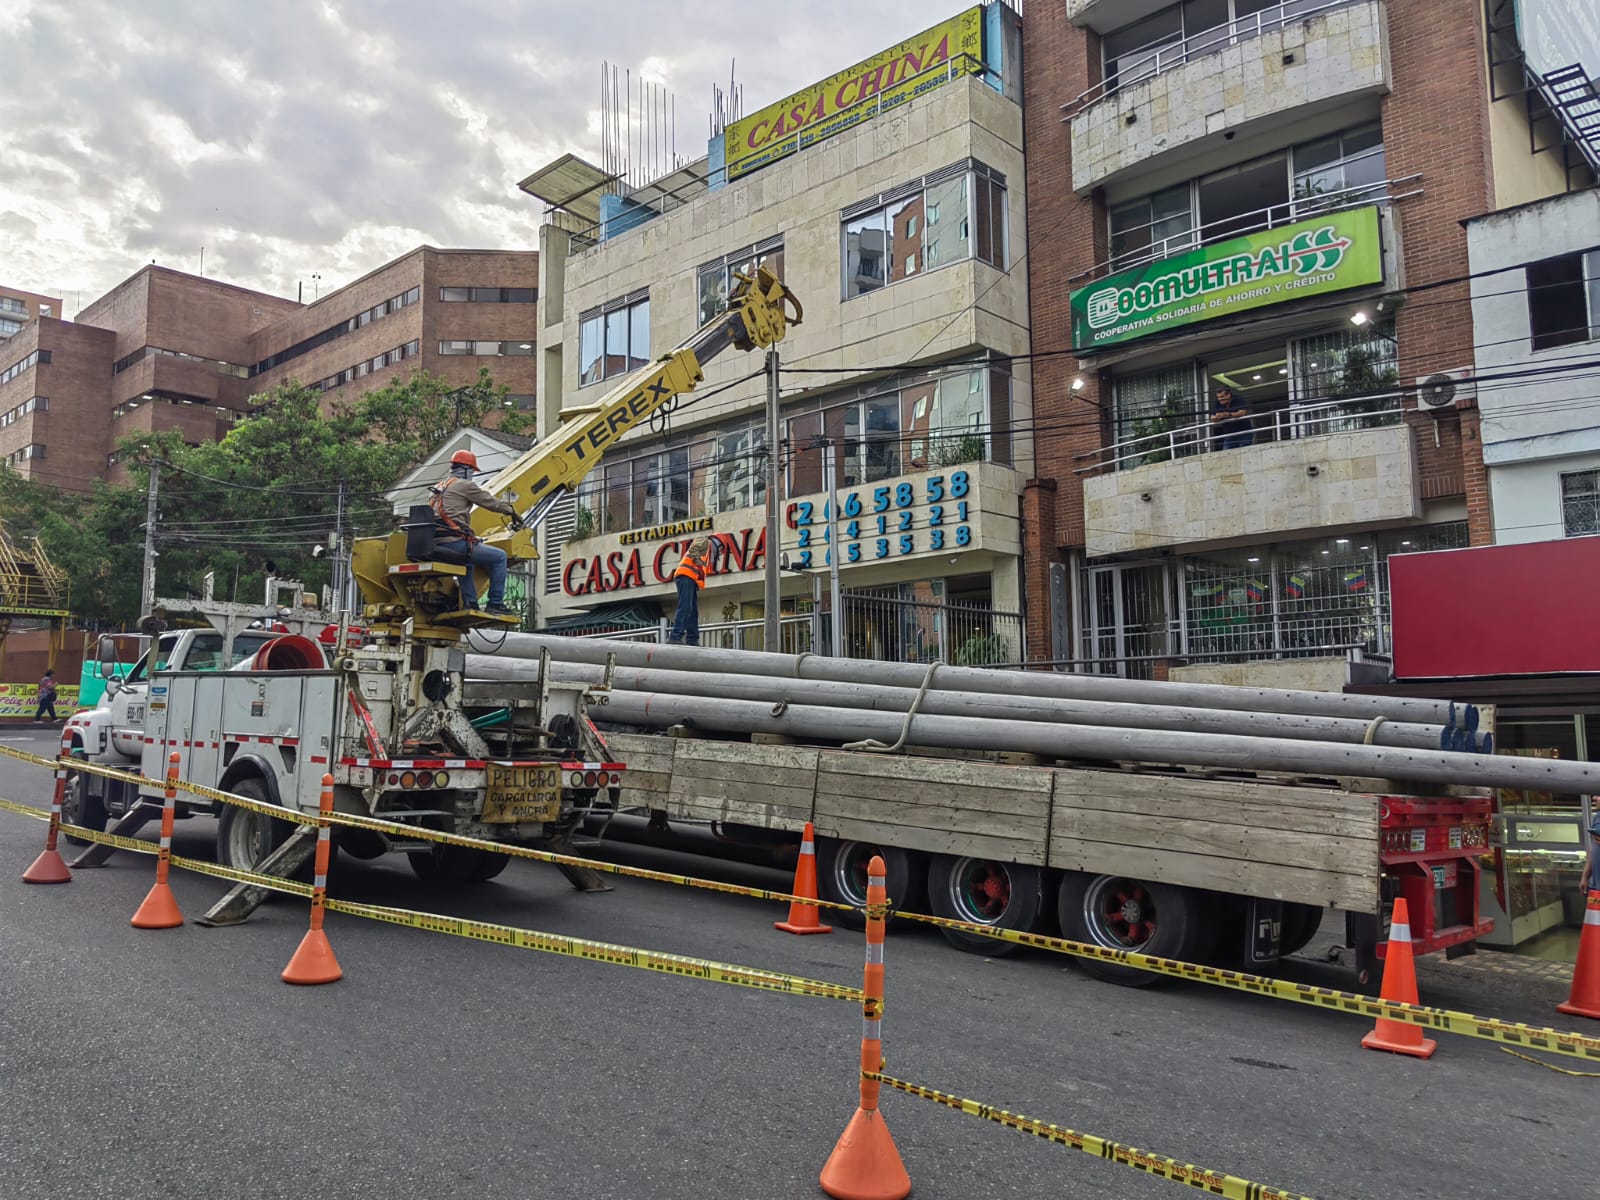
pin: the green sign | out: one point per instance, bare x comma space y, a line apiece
1311, 258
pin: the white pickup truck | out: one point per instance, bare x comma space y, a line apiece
395, 739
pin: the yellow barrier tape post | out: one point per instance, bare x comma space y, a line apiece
1213, 1183
1514, 1033
49, 866
160, 907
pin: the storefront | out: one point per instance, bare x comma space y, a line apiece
1513, 627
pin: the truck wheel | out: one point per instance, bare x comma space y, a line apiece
1300, 925
455, 864
984, 892
80, 808
1130, 914
842, 878
245, 837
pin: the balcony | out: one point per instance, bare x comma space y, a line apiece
1330, 465
1298, 55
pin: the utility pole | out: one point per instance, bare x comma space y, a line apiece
339, 571
836, 628
772, 642
147, 591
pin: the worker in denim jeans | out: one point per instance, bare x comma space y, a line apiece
690, 577
1230, 421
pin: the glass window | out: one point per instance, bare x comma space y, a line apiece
1559, 300
1155, 226
638, 335
1339, 164
454, 346
1346, 362
990, 209
517, 349
590, 362
486, 295
1130, 52
521, 295
451, 293
1155, 413
667, 487
946, 235
904, 245
866, 244
1580, 503
738, 470
616, 342
1236, 200
713, 291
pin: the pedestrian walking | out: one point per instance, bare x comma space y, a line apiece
690, 577
47, 698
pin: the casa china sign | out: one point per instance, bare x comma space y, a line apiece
624, 569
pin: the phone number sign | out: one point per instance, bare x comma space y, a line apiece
891, 521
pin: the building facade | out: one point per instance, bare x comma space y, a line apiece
165, 351
17, 308
1263, 198
901, 229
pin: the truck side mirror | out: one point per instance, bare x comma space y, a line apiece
106, 651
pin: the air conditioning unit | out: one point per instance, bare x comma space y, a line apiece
1444, 389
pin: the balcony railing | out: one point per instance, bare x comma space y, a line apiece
1301, 208
1163, 55
1278, 423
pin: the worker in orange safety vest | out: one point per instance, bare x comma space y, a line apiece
690, 577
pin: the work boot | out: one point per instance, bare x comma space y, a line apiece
498, 610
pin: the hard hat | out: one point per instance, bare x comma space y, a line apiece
464, 458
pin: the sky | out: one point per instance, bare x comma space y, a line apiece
293, 138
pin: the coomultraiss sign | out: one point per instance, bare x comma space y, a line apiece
1311, 258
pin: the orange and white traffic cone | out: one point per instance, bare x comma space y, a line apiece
160, 907
865, 1164
805, 918
50, 867
1585, 998
1400, 985
313, 961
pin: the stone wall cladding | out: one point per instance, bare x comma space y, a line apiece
1336, 54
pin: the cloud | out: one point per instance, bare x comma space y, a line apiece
326, 136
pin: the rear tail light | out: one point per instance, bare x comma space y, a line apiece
576, 779
394, 781
615, 779
425, 779
408, 779
441, 780
588, 778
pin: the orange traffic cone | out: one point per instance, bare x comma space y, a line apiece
160, 908
50, 867
865, 1165
1585, 998
805, 918
1400, 984
313, 961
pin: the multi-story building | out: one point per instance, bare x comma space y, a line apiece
1267, 198
889, 198
167, 351
17, 308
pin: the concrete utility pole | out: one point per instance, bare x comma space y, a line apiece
339, 571
147, 591
770, 625
836, 627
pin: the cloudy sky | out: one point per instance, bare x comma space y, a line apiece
292, 137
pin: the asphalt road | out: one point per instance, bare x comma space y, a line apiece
175, 1064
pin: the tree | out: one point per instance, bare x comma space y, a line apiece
419, 412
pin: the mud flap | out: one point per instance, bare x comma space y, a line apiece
244, 898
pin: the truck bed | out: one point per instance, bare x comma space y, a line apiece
1272, 839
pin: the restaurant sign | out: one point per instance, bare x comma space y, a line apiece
1311, 258
842, 101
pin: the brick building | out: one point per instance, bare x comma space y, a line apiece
17, 308
1267, 198
165, 350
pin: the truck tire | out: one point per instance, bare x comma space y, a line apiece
1131, 914
1300, 925
80, 808
842, 878
455, 864
245, 837
984, 892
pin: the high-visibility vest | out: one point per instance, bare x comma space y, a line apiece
436, 502
692, 568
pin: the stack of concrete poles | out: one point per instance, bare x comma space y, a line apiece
1055, 715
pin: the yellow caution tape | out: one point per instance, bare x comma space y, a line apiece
1211, 1182
1490, 1029
28, 810
1550, 1066
291, 887
625, 956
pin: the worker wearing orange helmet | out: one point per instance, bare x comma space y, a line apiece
453, 500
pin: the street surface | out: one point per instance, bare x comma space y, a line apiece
175, 1064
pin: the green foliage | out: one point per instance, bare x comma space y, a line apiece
981, 649
953, 451
267, 492
583, 524
1173, 415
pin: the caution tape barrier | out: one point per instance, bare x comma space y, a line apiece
1213, 1183
606, 952
1465, 1024
1490, 1029
416, 832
